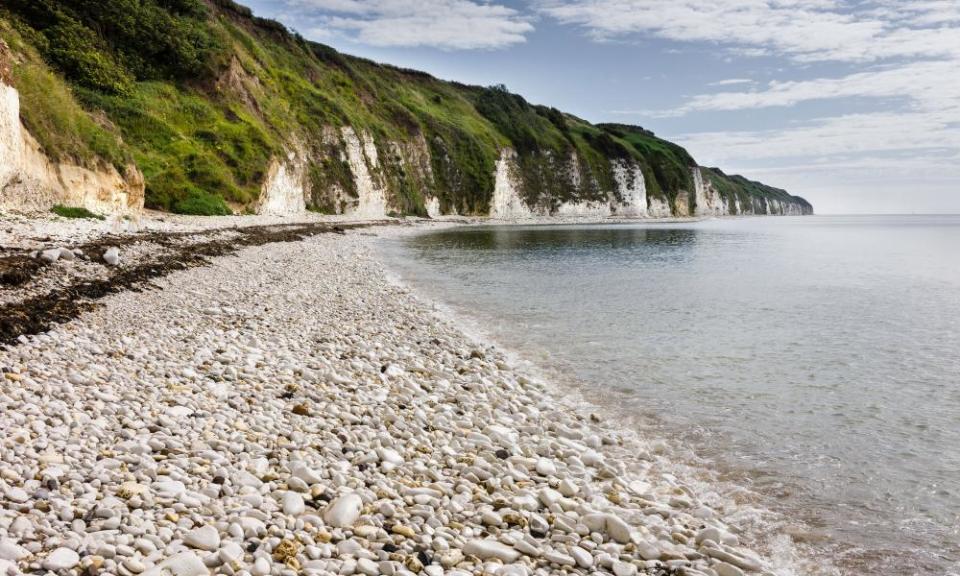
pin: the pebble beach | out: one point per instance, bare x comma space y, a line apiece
292, 410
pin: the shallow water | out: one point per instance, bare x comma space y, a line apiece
816, 358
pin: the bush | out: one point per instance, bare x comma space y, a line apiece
200, 203
74, 212
106, 44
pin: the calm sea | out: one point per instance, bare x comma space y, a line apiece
815, 359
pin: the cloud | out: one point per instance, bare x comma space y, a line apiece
927, 85
443, 24
731, 82
802, 30
901, 59
852, 134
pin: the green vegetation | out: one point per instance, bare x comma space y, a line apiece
748, 192
74, 212
202, 96
52, 113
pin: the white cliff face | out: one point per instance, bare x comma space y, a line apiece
631, 188
283, 190
506, 202
585, 208
709, 201
433, 207
658, 208
11, 141
29, 181
362, 156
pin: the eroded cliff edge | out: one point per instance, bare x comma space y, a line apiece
240, 115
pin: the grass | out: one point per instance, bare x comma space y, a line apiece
203, 97
201, 203
75, 212
52, 114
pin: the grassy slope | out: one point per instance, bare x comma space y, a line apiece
218, 93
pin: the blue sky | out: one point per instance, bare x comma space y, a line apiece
854, 104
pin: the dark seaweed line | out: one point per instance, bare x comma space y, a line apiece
39, 314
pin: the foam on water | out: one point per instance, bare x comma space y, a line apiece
811, 362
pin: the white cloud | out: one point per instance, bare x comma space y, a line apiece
857, 134
803, 30
927, 85
731, 82
444, 24
905, 61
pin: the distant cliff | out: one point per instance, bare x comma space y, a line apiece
196, 106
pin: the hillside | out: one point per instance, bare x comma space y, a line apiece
197, 106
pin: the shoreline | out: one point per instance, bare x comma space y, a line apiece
785, 547
522, 481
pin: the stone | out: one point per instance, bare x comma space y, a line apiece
230, 552
51, 255
648, 551
344, 511
61, 559
583, 558
709, 533
17, 495
182, 564
624, 569
489, 549
307, 474
724, 569
546, 467
203, 538
10, 550
261, 567
368, 567
293, 504
112, 256
568, 488
559, 558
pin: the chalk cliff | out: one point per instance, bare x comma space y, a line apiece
239, 114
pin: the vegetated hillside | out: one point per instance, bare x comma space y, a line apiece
225, 111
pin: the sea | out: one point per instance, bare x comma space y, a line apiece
814, 360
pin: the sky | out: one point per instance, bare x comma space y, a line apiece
853, 104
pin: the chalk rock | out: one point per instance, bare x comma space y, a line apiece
583, 558
203, 538
261, 567
724, 569
230, 552
488, 549
546, 467
183, 564
343, 511
17, 495
51, 255
112, 256
293, 504
10, 550
61, 559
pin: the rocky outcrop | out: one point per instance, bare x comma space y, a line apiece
631, 189
709, 202
374, 175
507, 202
30, 181
371, 200
283, 189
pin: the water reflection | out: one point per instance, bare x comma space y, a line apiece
819, 353
556, 238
